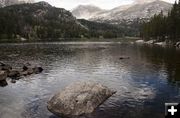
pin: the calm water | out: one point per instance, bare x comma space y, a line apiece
144, 82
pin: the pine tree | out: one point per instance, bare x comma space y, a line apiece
161, 27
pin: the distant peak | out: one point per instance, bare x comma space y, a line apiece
26, 1
144, 1
88, 6
86, 11
43, 3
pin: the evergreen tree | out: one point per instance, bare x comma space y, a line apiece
162, 27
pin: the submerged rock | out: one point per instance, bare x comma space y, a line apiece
79, 98
124, 58
37, 70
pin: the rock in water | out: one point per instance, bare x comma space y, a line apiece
14, 74
37, 70
5, 67
79, 98
124, 58
177, 44
3, 83
13, 81
3, 75
28, 69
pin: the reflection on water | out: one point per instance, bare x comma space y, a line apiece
144, 82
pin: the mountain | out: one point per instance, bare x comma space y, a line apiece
86, 11
136, 11
38, 21
143, 1
106, 30
140, 9
4, 3
43, 22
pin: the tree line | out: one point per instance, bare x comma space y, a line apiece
37, 22
163, 27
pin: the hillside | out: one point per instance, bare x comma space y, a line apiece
106, 30
38, 21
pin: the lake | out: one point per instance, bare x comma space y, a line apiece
144, 82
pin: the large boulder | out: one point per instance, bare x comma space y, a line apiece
79, 98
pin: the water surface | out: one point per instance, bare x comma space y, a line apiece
144, 82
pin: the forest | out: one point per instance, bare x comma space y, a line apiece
163, 27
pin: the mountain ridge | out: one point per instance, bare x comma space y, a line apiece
41, 21
145, 10
4, 3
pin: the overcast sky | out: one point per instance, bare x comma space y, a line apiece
105, 4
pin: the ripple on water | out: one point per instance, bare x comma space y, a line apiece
143, 82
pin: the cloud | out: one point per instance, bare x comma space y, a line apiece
143, 1
105, 4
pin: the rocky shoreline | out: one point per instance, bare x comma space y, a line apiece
154, 42
77, 99
7, 71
